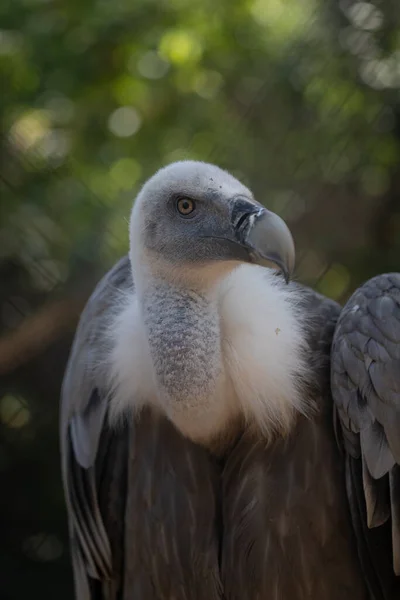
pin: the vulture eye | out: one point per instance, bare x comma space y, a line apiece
185, 206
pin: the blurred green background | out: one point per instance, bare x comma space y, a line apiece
298, 98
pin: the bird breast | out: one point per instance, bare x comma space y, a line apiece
203, 359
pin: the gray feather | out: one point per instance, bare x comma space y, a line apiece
376, 498
365, 377
376, 451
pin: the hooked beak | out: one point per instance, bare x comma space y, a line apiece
265, 236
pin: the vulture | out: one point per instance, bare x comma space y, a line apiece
227, 433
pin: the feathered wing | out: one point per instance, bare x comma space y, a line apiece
287, 532
91, 452
141, 499
365, 378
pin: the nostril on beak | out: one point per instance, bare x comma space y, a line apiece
242, 221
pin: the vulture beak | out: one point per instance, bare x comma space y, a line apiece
265, 236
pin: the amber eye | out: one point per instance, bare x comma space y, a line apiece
185, 206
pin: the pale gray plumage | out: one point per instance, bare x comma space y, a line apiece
198, 450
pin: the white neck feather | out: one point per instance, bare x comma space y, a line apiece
264, 346
256, 352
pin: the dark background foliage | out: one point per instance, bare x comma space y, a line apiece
298, 99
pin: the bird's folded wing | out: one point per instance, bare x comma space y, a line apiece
365, 377
92, 453
141, 498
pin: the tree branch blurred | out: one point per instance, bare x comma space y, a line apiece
38, 331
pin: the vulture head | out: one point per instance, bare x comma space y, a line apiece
192, 214
208, 335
